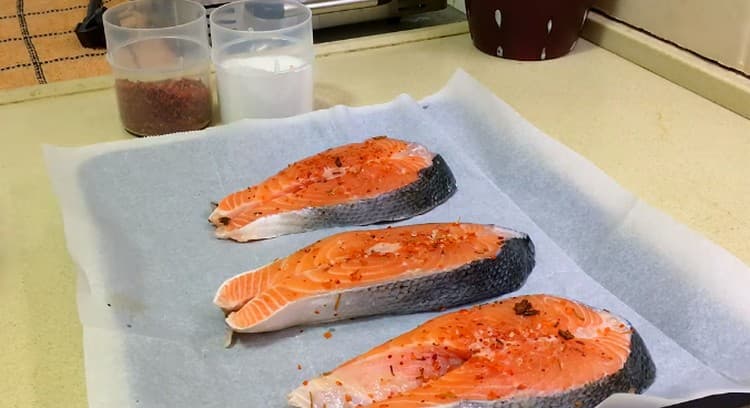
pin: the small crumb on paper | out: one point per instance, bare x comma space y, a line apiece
228, 338
328, 334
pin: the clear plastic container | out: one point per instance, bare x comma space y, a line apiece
263, 54
160, 58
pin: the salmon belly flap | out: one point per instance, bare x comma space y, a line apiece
378, 180
393, 270
527, 351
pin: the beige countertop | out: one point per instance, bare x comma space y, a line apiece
673, 148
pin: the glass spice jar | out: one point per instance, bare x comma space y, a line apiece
160, 58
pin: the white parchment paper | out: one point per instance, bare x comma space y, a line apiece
135, 223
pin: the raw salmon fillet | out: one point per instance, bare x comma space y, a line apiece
380, 179
529, 351
393, 270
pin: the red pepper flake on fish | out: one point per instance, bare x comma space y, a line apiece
565, 334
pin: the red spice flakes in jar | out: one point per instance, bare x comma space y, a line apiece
149, 108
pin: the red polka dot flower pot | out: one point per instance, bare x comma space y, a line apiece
528, 30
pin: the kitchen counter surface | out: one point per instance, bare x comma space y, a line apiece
676, 150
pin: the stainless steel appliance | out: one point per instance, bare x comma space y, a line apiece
329, 13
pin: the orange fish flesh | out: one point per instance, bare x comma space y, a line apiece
378, 180
384, 271
528, 351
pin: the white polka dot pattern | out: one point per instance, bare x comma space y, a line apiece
495, 33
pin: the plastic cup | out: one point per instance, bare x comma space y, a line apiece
263, 54
160, 58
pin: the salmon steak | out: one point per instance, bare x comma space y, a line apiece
378, 180
395, 270
529, 351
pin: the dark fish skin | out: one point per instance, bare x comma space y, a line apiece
636, 375
472, 282
435, 185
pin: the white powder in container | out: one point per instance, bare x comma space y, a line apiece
264, 87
